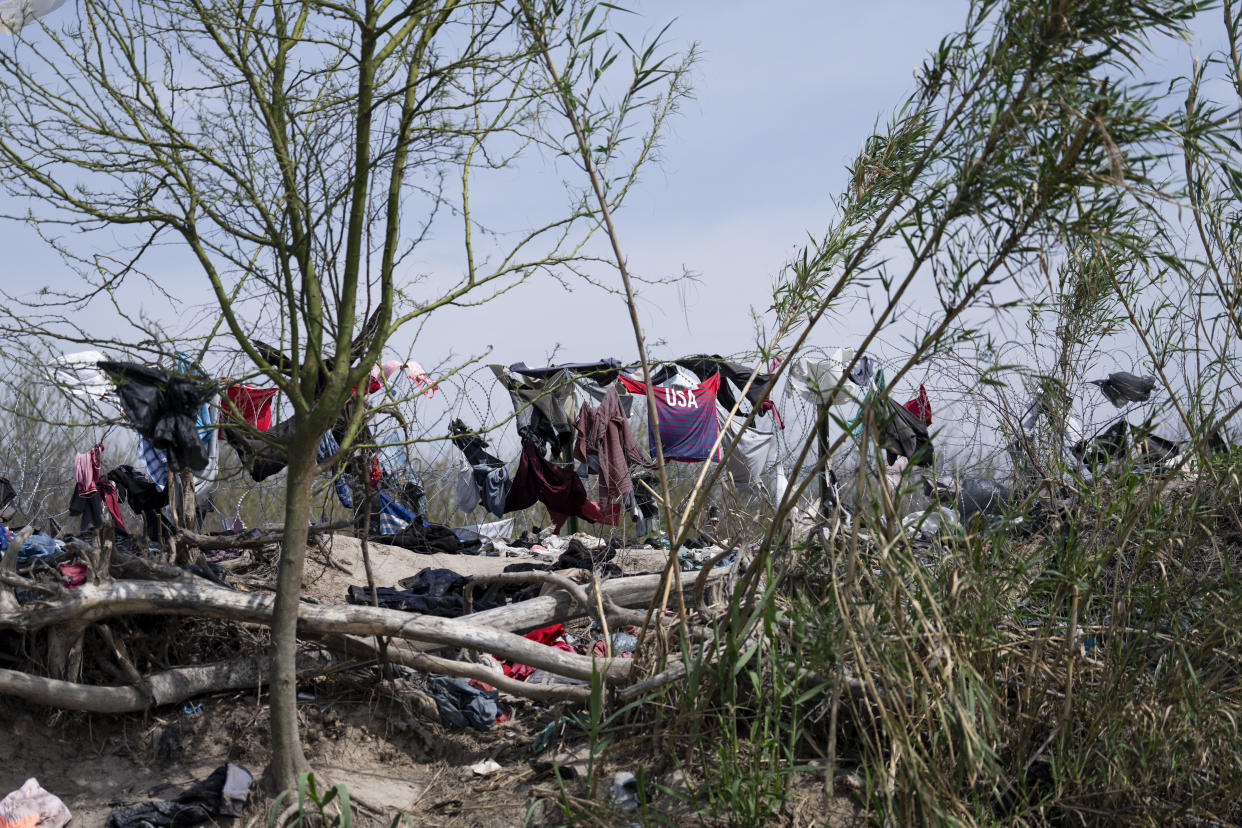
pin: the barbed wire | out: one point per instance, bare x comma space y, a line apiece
972, 424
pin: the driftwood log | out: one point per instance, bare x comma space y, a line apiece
168, 687
344, 628
89, 603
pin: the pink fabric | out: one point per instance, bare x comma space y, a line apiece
413, 372
768, 405
73, 574
86, 471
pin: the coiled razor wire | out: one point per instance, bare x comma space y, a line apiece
972, 430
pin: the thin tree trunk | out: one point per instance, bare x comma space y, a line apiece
365, 541
288, 760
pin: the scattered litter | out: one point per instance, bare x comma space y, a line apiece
449, 807
623, 642
625, 791
190, 709
222, 794
30, 806
570, 764
485, 768
461, 704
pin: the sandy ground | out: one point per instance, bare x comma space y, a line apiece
392, 758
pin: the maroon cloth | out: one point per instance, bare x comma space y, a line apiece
110, 500
561, 490
605, 432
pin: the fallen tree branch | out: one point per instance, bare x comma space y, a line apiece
700, 583
90, 603
404, 655
248, 540
169, 687
524, 616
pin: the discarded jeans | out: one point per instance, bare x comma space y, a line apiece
328, 446
222, 794
37, 545
31, 806
488, 475
446, 582
461, 704
1122, 387
438, 592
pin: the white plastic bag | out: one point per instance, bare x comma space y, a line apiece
17, 13
814, 380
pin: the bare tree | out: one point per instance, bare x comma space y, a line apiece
298, 152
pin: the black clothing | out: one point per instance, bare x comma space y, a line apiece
903, 434
164, 408
1122, 387
704, 365
430, 540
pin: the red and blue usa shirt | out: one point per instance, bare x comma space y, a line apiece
687, 418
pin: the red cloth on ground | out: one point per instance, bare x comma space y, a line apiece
74, 574
920, 407
253, 405
552, 636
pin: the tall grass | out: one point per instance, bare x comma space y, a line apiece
1076, 659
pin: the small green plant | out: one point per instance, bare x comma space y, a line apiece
329, 809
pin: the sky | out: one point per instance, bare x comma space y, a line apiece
784, 95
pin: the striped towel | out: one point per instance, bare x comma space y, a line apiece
155, 461
393, 517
